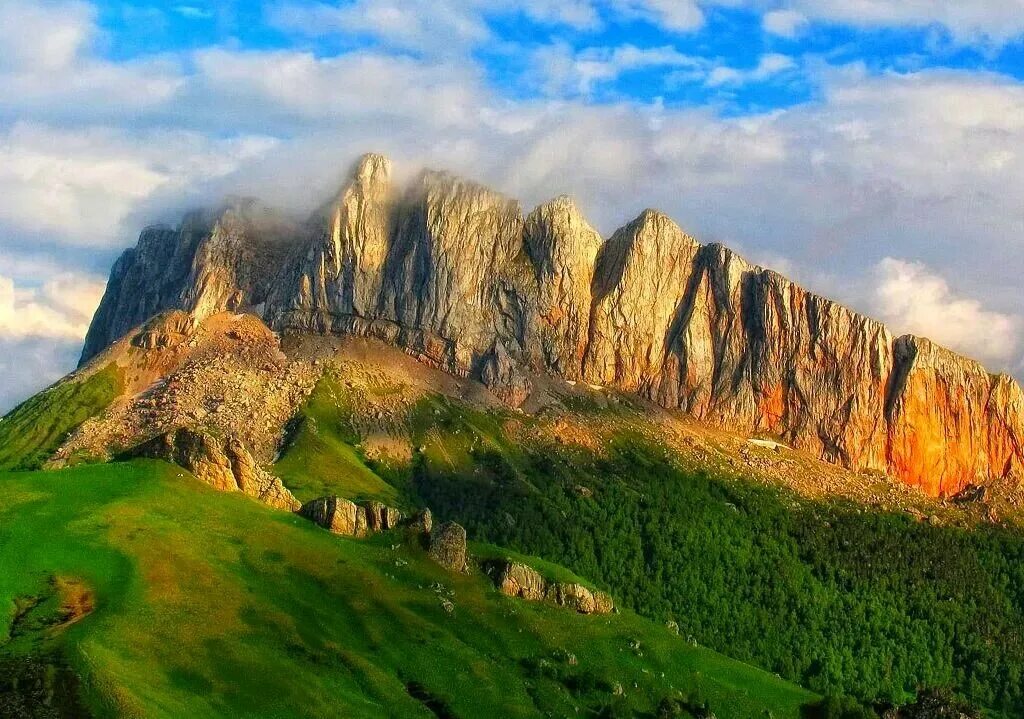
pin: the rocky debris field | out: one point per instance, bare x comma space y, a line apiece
229, 377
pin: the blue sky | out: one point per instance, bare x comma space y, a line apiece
868, 148
733, 35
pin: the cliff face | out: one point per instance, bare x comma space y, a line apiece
457, 276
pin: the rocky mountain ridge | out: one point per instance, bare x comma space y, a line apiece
456, 275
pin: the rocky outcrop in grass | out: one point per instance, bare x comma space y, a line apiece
517, 579
343, 516
224, 464
448, 547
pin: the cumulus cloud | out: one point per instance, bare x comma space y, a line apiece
58, 309
580, 14
565, 71
41, 331
43, 35
784, 23
46, 66
80, 185
438, 27
192, 12
307, 89
675, 15
989, 21
768, 66
912, 298
441, 26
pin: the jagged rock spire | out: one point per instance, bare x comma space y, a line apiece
563, 248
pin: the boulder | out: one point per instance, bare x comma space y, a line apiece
517, 579
572, 596
345, 517
422, 522
448, 546
335, 514
380, 517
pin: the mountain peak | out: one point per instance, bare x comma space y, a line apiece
372, 169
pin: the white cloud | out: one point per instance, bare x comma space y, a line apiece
674, 15
59, 309
987, 21
444, 27
340, 89
46, 66
192, 12
567, 72
580, 14
768, 66
784, 23
81, 184
913, 299
43, 35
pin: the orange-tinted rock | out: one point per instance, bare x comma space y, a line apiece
951, 424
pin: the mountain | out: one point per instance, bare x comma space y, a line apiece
223, 510
455, 275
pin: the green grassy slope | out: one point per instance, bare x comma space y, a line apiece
321, 458
211, 605
34, 429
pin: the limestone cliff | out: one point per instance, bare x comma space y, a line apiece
456, 275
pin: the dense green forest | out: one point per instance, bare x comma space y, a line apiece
838, 598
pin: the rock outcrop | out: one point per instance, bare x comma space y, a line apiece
345, 517
422, 522
225, 465
516, 579
454, 274
448, 547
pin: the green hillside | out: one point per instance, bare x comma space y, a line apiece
150, 595
839, 599
31, 432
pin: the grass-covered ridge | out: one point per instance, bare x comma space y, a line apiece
840, 599
204, 604
33, 430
